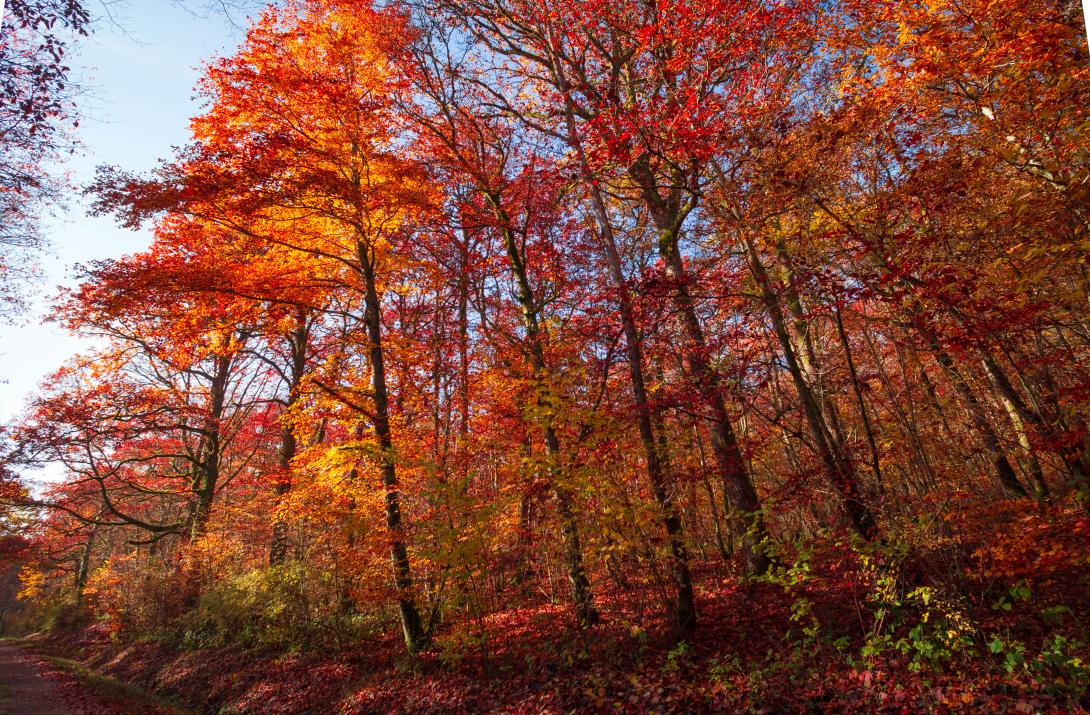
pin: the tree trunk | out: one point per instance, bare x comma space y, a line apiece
684, 605
411, 625
1069, 451
740, 496
83, 568
586, 614
857, 390
297, 342
838, 468
207, 470
1008, 480
1040, 486
806, 354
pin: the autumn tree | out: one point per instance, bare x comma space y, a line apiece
299, 97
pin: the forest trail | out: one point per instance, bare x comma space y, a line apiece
24, 687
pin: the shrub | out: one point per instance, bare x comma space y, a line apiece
288, 606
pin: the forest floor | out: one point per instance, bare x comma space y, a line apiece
832, 633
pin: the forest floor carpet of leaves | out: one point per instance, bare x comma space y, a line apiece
817, 639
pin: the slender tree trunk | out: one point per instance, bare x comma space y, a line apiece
207, 471
740, 496
806, 354
586, 614
205, 475
1070, 452
1008, 480
857, 390
726, 550
838, 468
297, 343
1040, 486
411, 625
684, 605
524, 573
83, 568
463, 356
908, 426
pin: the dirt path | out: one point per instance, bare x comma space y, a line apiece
24, 688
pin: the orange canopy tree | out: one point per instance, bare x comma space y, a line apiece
300, 134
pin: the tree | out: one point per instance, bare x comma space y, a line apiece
298, 131
36, 114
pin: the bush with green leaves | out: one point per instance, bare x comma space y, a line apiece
287, 606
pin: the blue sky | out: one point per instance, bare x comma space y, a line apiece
140, 73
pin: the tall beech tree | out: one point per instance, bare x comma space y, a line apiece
298, 92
